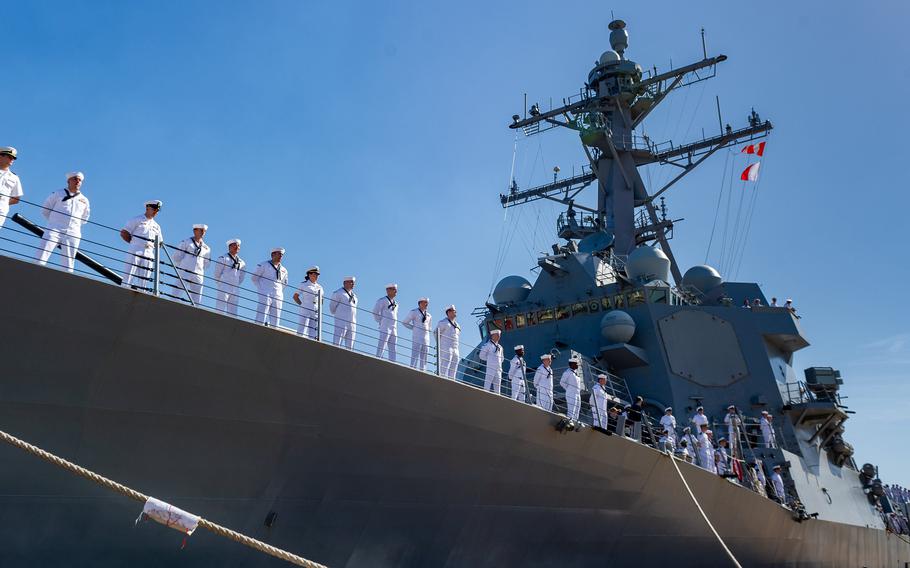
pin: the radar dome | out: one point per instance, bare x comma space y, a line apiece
511, 290
617, 327
609, 57
646, 264
703, 278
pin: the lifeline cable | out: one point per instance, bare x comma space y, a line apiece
137, 496
702, 511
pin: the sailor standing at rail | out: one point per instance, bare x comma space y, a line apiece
699, 418
543, 382
309, 297
778, 483
571, 382
270, 278
385, 312
599, 401
518, 370
705, 450
343, 306
767, 430
229, 274
65, 210
140, 232
731, 419
10, 184
191, 258
492, 354
419, 321
449, 333
668, 422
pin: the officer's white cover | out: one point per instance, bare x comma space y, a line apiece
170, 516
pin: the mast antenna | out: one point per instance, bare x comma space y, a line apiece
704, 47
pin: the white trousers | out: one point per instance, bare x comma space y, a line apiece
493, 378
388, 338
227, 299
193, 285
345, 332
308, 323
448, 366
69, 244
600, 414
268, 310
545, 399
419, 352
4, 211
139, 269
518, 387
573, 402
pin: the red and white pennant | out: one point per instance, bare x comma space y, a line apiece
751, 173
757, 149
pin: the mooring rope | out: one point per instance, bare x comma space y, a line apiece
133, 494
702, 511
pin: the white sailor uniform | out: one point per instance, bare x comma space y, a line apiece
229, 274
668, 422
733, 425
518, 369
343, 306
543, 384
191, 259
418, 322
492, 354
385, 312
270, 281
10, 186
449, 335
599, 405
722, 460
698, 420
571, 382
706, 452
141, 249
767, 433
778, 483
65, 213
310, 294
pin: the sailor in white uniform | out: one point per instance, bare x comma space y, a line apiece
140, 232
229, 274
270, 278
518, 370
191, 258
543, 382
571, 382
699, 418
721, 458
10, 184
599, 399
734, 424
692, 443
705, 449
309, 297
449, 333
385, 312
668, 422
65, 211
778, 483
343, 306
419, 321
767, 430
492, 354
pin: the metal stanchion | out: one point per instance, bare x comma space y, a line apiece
438, 353
156, 272
319, 316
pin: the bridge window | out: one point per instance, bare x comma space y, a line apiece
657, 295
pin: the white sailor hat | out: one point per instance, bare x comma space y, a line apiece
765, 412
722, 440
277, 249
202, 226
732, 406
156, 203
79, 175
601, 376
9, 151
495, 331
451, 307
546, 356
423, 299
789, 301
233, 242
517, 347
700, 408
777, 466
574, 359
391, 285
312, 269
351, 278
668, 409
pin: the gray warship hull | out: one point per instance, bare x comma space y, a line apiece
365, 462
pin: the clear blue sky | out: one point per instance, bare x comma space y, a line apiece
371, 138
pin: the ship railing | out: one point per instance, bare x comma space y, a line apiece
113, 260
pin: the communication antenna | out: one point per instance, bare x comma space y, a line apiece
704, 47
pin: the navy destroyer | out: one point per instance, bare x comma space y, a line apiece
352, 460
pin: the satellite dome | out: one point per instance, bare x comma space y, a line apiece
703, 278
511, 290
609, 57
646, 264
617, 327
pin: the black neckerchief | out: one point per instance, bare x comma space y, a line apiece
496, 346
67, 195
352, 299
453, 324
424, 314
392, 304
197, 247
277, 271
235, 262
